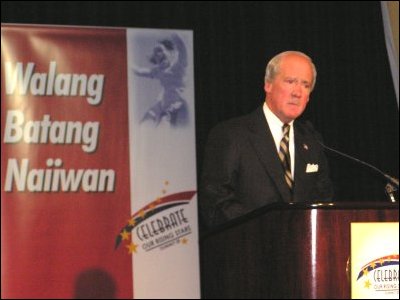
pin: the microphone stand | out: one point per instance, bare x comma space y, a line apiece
391, 187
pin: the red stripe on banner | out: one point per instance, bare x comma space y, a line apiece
170, 198
58, 243
179, 196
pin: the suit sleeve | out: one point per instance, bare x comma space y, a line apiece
324, 184
217, 199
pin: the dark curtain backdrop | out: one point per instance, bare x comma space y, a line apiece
353, 105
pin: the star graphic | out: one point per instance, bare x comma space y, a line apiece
131, 248
131, 221
142, 214
367, 284
373, 265
365, 271
184, 241
166, 182
125, 235
163, 191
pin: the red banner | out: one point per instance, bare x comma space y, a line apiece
64, 163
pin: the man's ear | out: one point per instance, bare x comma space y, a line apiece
267, 86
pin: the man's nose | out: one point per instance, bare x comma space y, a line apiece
297, 91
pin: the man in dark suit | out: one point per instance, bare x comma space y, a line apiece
252, 161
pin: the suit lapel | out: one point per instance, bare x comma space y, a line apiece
302, 150
263, 143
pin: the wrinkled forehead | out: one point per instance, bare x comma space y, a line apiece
296, 67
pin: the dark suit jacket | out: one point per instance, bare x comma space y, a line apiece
242, 170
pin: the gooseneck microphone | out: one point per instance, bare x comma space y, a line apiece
390, 188
391, 179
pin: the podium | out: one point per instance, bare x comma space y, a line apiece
286, 250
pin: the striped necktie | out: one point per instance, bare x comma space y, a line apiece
284, 155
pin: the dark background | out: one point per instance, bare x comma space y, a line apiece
353, 105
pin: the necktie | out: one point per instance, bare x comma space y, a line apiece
284, 155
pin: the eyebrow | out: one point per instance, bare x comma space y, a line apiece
295, 78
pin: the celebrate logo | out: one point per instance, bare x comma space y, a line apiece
160, 224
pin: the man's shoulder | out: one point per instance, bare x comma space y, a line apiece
303, 125
234, 123
306, 128
240, 123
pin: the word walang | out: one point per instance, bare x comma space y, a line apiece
22, 81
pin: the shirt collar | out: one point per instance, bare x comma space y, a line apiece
273, 121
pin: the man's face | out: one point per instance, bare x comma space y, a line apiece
289, 91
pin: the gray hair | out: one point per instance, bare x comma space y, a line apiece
272, 68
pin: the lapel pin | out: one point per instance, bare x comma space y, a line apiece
305, 146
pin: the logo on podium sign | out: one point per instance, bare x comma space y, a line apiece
375, 260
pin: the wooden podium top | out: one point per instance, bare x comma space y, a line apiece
286, 250
350, 205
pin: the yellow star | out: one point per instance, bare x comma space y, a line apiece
365, 271
367, 284
381, 261
151, 206
166, 182
125, 235
373, 265
184, 241
131, 221
163, 191
142, 213
131, 248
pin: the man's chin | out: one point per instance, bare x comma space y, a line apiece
292, 116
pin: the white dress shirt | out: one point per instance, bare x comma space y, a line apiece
275, 126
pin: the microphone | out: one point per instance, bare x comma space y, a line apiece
392, 180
